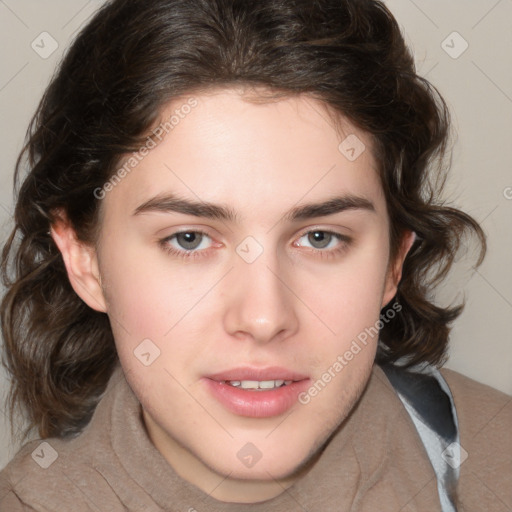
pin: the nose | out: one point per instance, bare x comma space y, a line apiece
260, 303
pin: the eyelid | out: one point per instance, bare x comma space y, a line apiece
165, 243
344, 240
332, 231
320, 227
184, 228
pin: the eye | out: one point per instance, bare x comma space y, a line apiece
186, 243
323, 243
190, 240
319, 239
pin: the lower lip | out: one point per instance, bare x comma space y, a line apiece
257, 404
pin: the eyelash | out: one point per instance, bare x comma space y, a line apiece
344, 240
182, 254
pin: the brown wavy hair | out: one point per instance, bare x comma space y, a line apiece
131, 59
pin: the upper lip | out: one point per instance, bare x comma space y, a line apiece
248, 373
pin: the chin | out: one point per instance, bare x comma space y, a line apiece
277, 463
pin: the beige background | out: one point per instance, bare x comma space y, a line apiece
476, 83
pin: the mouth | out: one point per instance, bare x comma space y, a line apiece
257, 393
255, 385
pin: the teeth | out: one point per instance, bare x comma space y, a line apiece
270, 384
261, 384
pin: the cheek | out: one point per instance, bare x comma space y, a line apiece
133, 297
148, 298
348, 299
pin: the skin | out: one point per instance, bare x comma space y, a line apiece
293, 306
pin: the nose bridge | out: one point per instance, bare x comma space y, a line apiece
260, 304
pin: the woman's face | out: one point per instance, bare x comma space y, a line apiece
250, 246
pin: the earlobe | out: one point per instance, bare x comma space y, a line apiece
81, 264
395, 269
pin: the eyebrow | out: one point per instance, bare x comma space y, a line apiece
173, 204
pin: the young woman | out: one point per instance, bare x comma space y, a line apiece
219, 284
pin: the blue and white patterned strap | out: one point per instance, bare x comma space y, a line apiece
428, 400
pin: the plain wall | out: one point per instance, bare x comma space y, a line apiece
476, 83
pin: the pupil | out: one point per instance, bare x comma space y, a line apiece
189, 240
320, 238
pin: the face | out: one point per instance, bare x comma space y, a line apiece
246, 246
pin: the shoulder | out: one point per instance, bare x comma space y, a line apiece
37, 474
59, 475
9, 501
469, 392
20, 472
485, 425
481, 409
62, 474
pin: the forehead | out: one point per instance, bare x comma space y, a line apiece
226, 147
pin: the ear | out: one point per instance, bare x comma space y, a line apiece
395, 267
81, 263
